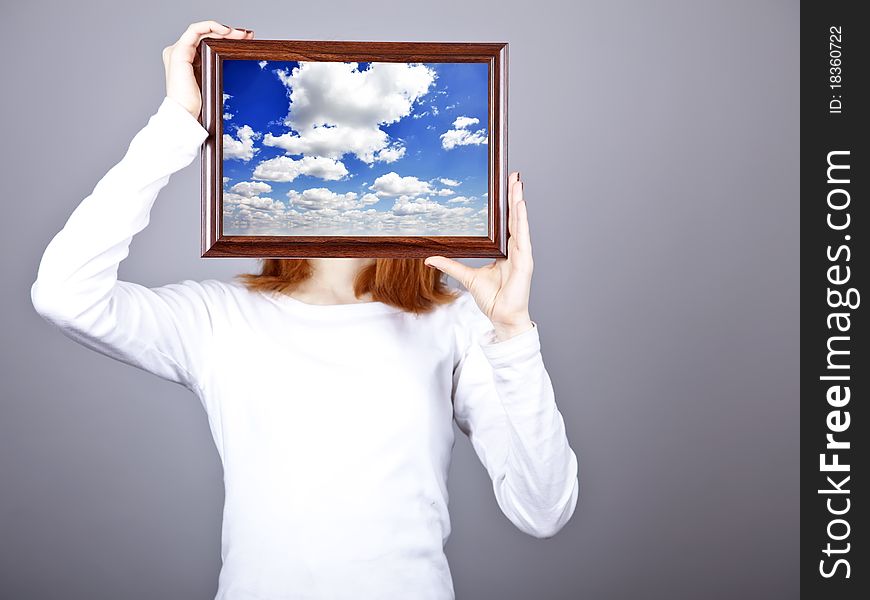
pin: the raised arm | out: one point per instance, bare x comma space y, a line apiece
503, 397
504, 402
164, 330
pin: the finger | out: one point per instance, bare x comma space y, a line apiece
235, 34
197, 58
191, 35
512, 205
186, 49
455, 269
524, 243
197, 31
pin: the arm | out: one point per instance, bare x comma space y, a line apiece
163, 330
503, 397
504, 402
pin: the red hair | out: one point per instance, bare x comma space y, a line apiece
406, 283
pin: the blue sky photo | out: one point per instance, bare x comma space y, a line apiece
346, 148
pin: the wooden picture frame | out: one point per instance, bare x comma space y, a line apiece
214, 54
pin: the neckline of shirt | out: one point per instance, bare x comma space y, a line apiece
355, 308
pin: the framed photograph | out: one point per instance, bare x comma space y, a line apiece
350, 148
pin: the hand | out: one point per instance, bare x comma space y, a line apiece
501, 288
182, 60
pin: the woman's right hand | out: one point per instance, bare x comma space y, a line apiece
181, 61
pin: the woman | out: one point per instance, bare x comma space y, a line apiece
330, 385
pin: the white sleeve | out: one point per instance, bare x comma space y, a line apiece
163, 330
504, 402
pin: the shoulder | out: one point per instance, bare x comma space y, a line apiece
213, 294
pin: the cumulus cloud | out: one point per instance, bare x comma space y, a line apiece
228, 116
263, 64
464, 122
326, 199
232, 201
460, 135
250, 189
450, 182
336, 109
391, 154
459, 200
255, 215
241, 148
406, 205
393, 184
284, 168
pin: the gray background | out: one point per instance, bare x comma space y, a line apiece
659, 146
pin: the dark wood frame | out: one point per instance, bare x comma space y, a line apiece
214, 51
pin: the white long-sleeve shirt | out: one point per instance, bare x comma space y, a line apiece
333, 422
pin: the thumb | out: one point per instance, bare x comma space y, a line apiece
455, 269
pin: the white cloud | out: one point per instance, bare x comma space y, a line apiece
450, 182
393, 184
464, 122
405, 205
263, 64
232, 200
326, 199
459, 200
391, 154
227, 97
460, 135
251, 188
241, 214
284, 168
319, 211
243, 147
332, 142
228, 116
336, 109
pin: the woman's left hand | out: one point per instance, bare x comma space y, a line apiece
501, 288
